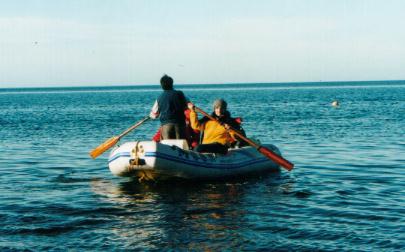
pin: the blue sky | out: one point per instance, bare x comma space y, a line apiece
100, 42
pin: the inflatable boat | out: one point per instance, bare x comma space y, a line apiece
149, 160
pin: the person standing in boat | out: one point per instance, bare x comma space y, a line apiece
169, 107
216, 136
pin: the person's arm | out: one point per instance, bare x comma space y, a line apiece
230, 132
154, 113
195, 124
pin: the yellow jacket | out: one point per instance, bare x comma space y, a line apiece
213, 131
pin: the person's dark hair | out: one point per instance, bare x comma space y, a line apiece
166, 82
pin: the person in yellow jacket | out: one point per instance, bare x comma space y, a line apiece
216, 138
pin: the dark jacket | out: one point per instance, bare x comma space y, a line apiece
172, 104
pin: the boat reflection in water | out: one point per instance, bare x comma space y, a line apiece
183, 214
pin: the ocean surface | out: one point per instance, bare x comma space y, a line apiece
346, 192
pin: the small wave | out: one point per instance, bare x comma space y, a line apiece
199, 211
62, 178
345, 192
58, 229
299, 194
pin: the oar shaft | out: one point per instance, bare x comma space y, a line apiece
113, 140
276, 158
250, 142
133, 127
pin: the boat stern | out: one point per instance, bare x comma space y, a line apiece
129, 158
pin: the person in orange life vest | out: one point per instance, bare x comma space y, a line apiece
192, 135
216, 136
169, 107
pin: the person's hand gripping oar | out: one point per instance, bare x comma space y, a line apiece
262, 149
113, 140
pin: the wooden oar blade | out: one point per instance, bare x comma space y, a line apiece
276, 158
104, 146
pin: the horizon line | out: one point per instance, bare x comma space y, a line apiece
184, 84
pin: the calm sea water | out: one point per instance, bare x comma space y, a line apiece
346, 192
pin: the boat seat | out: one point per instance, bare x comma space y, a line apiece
181, 143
